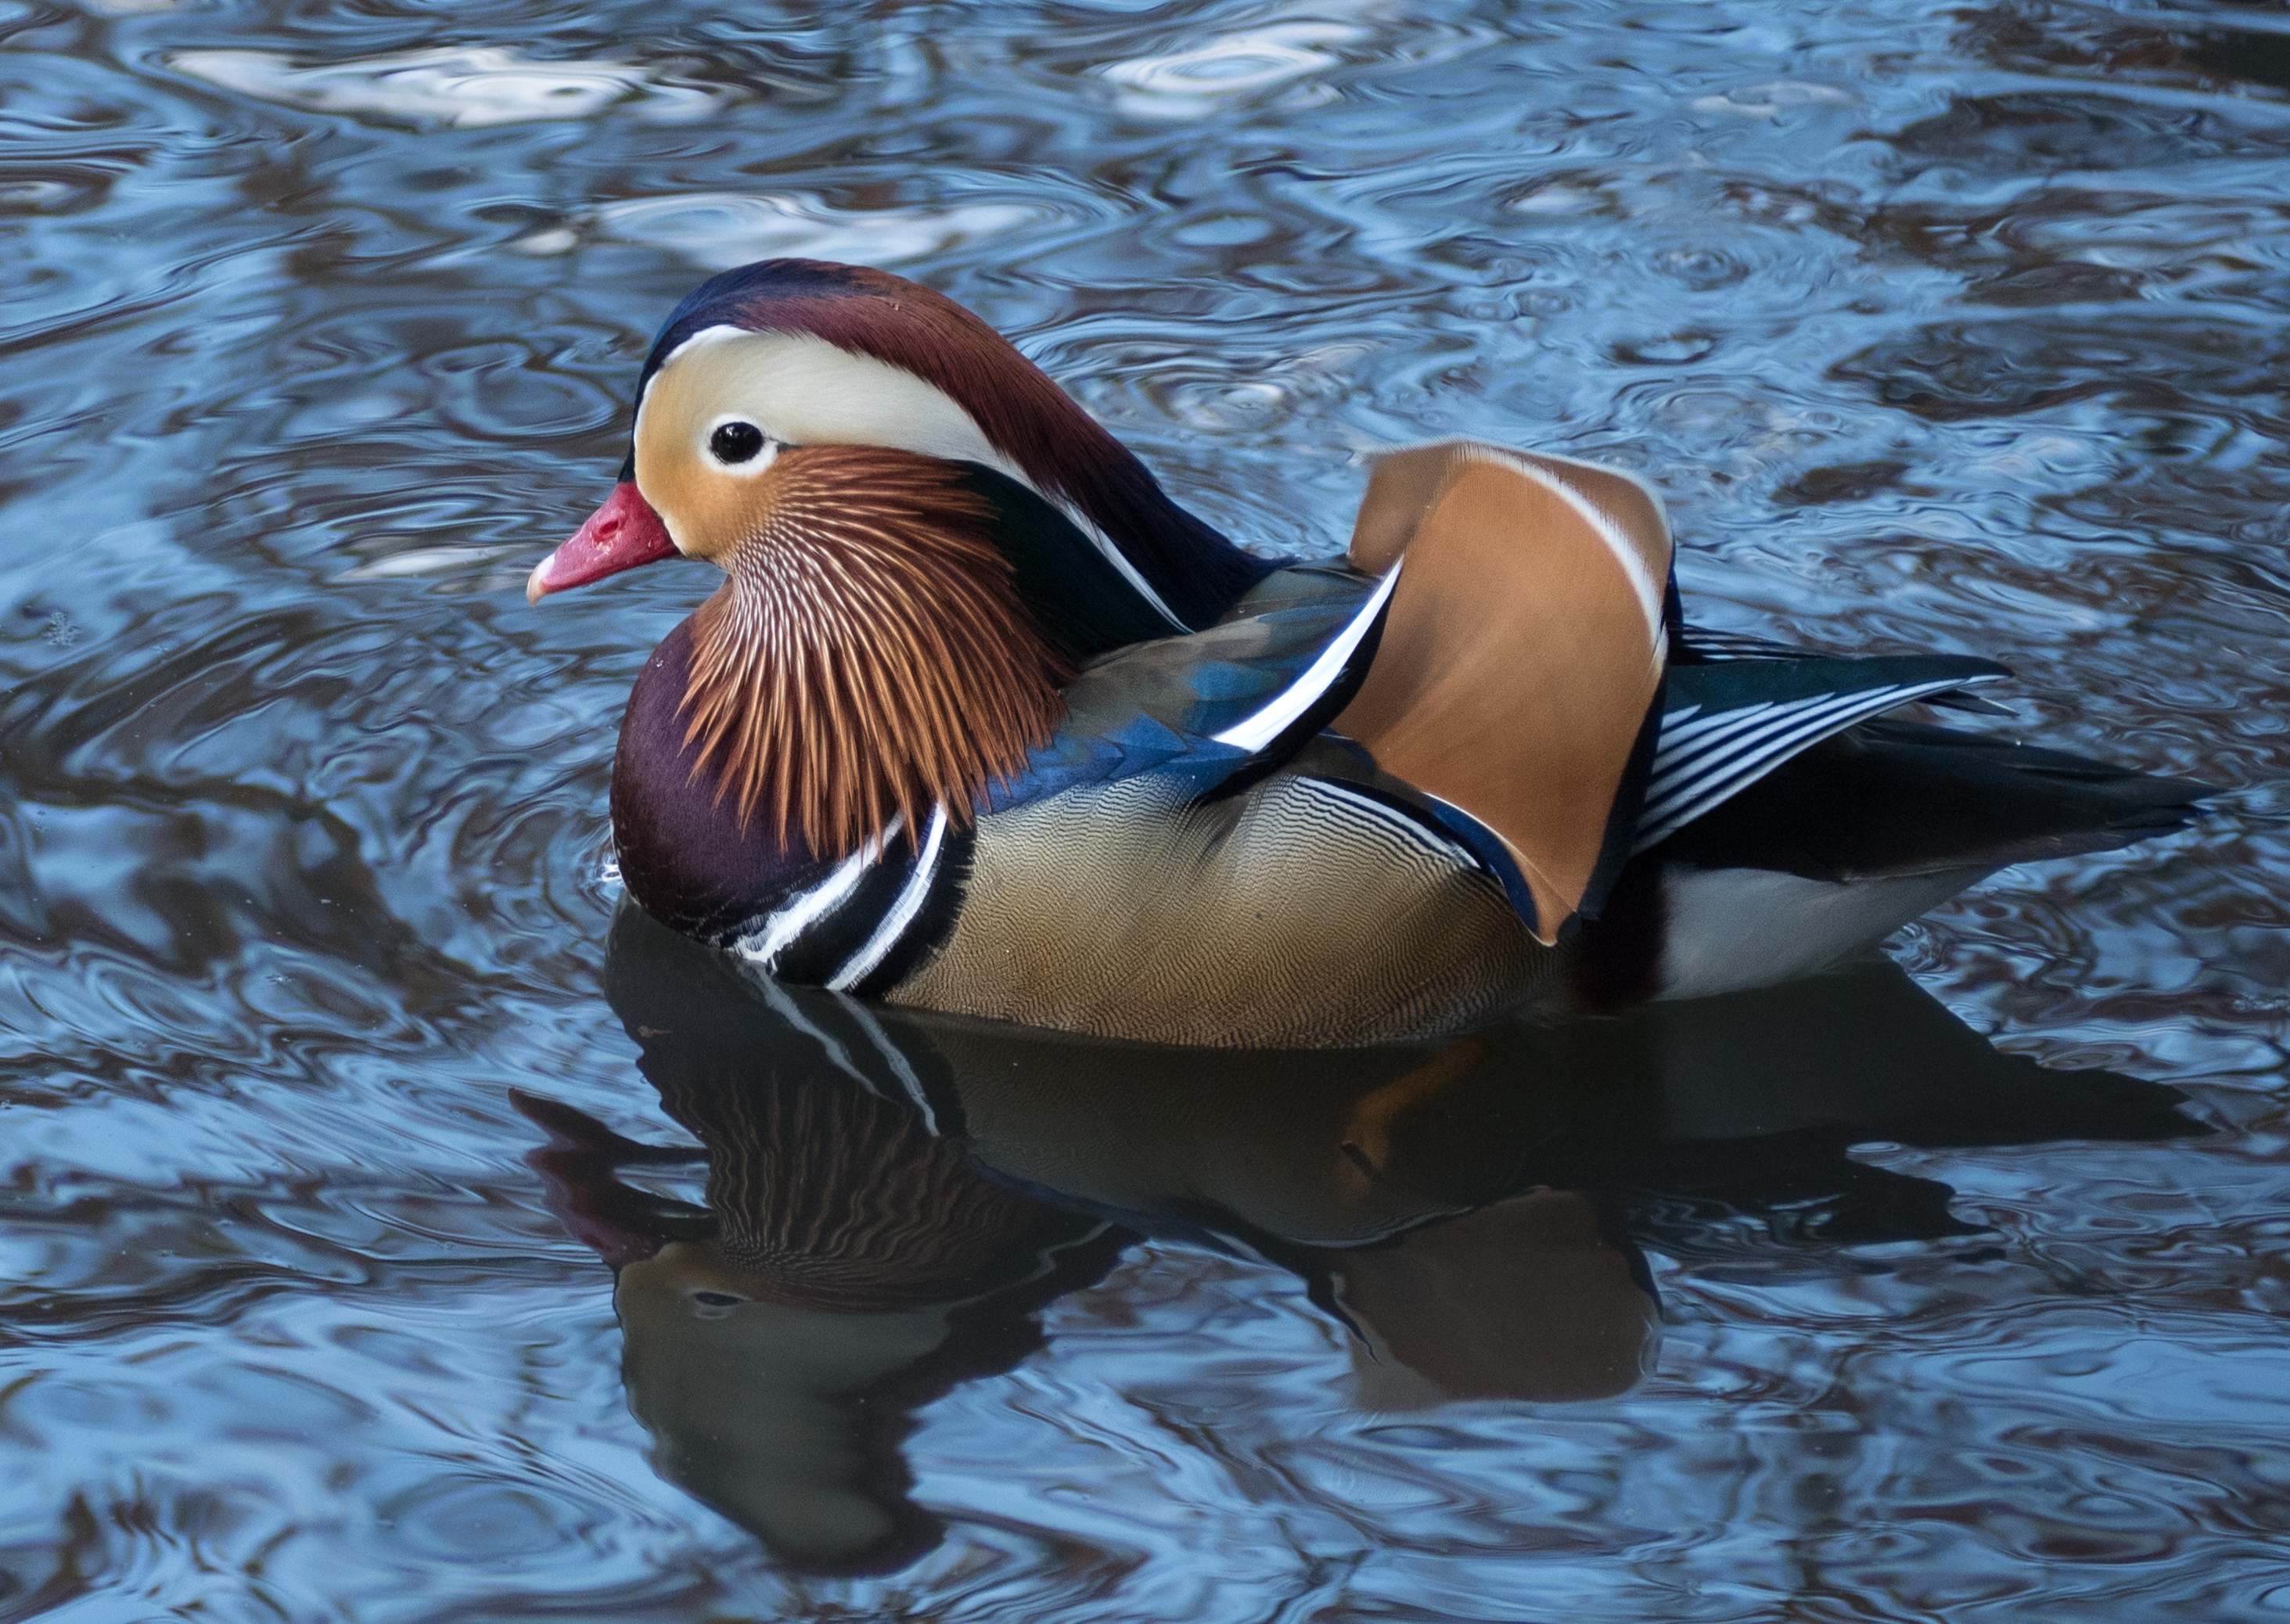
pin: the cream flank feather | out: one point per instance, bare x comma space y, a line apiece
867, 654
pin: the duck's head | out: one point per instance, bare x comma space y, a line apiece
923, 535
799, 353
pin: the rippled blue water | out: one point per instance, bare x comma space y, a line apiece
1959, 330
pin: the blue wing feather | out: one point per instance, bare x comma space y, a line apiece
1160, 706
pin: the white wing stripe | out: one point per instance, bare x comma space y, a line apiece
1670, 766
1627, 557
1684, 730
1252, 733
1683, 803
1755, 746
1738, 726
1675, 769
1726, 648
1692, 787
1738, 769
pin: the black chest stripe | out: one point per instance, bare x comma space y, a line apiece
864, 925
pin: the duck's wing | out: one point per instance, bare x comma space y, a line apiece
1232, 701
1890, 798
1521, 658
1701, 645
1498, 644
1725, 724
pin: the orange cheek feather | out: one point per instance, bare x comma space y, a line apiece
619, 535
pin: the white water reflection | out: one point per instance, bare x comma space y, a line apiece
304, 812
1190, 83
721, 229
466, 88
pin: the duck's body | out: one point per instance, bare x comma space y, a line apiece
983, 723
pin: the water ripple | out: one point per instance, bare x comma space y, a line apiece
466, 88
1957, 330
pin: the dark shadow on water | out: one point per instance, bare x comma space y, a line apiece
893, 1197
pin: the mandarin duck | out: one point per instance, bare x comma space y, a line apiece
981, 721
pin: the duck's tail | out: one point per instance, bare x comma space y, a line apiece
1843, 844
1891, 798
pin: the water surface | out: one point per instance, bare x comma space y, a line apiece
333, 1137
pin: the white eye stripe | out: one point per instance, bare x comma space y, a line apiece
812, 393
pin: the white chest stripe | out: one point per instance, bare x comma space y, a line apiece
807, 909
857, 967
1255, 732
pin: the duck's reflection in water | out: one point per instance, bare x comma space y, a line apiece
849, 1266
890, 1198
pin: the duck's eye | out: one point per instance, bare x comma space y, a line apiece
735, 443
716, 1299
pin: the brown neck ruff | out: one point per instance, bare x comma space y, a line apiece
868, 654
